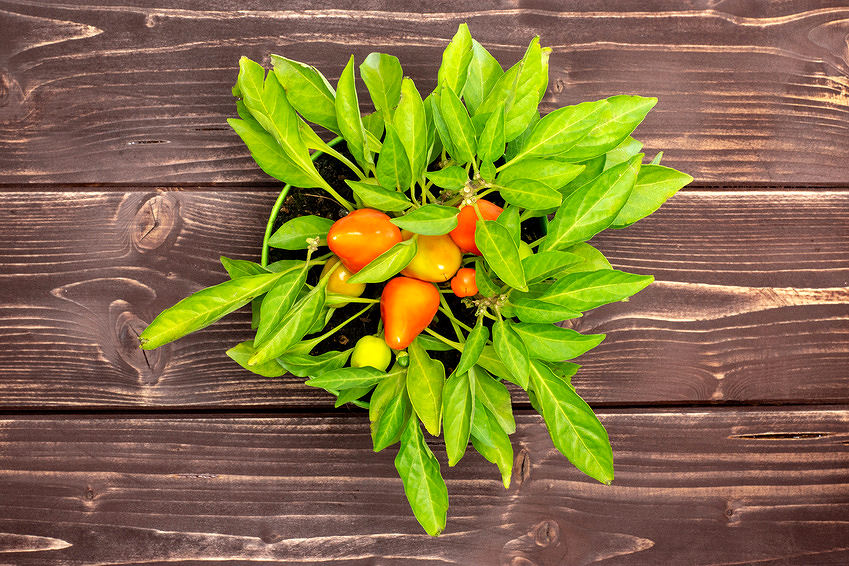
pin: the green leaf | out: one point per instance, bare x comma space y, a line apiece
351, 395
622, 152
491, 143
346, 378
592, 169
374, 196
511, 349
308, 91
487, 171
266, 100
491, 442
509, 218
439, 122
593, 260
433, 344
389, 408
460, 129
551, 173
533, 310
387, 430
423, 484
393, 166
657, 158
313, 141
496, 398
655, 184
593, 207
587, 290
500, 252
473, 347
434, 144
515, 146
277, 302
491, 362
455, 60
486, 287
429, 220
530, 194
524, 98
387, 264
374, 125
575, 431
555, 344
293, 235
241, 353
561, 129
298, 321
306, 365
348, 115
620, 116
484, 71
270, 156
203, 308
452, 178
425, 379
241, 267
543, 265
383, 75
410, 123
458, 403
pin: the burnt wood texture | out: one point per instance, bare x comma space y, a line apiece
723, 386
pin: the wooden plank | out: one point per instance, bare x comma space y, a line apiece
104, 93
693, 487
750, 303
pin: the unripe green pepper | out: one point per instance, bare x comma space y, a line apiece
371, 351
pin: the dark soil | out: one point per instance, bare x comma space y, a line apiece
300, 202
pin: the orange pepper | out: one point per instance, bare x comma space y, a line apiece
361, 236
437, 258
407, 306
467, 220
464, 284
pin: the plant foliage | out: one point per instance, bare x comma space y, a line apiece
419, 159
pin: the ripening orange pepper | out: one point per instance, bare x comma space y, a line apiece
463, 284
437, 258
464, 234
361, 236
338, 281
407, 306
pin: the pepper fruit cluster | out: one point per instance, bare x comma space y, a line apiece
442, 188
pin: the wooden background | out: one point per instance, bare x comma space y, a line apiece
723, 386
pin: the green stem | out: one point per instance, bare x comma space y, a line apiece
348, 206
269, 226
354, 299
441, 338
310, 344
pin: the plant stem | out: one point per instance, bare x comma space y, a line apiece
441, 338
270, 224
348, 206
310, 344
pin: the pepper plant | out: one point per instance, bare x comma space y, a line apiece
441, 191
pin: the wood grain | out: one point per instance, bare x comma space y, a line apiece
750, 305
111, 93
692, 487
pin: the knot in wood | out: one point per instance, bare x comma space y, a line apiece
155, 222
523, 465
546, 533
147, 364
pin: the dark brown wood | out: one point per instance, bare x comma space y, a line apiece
692, 487
108, 93
750, 302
